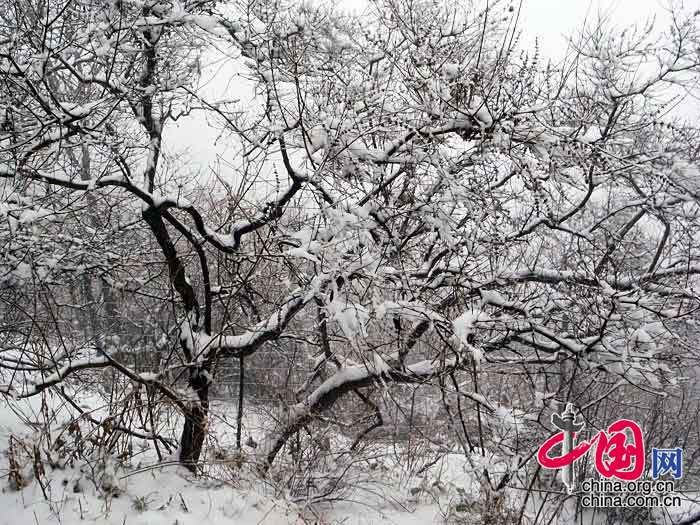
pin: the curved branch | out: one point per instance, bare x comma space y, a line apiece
346, 380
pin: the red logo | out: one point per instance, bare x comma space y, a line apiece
619, 451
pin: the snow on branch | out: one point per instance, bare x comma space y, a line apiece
226, 243
645, 281
63, 372
105, 361
350, 378
250, 340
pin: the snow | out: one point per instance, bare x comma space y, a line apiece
318, 138
493, 297
30, 216
302, 254
172, 199
77, 364
168, 495
482, 115
358, 151
153, 496
451, 70
258, 26
351, 317
144, 491
81, 110
463, 326
379, 365
6, 170
255, 335
407, 309
208, 23
592, 134
454, 178
641, 340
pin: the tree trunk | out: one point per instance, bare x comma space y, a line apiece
195, 428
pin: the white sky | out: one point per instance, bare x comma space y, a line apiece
551, 21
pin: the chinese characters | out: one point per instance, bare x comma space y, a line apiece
619, 451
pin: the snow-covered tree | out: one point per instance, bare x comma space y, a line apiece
444, 204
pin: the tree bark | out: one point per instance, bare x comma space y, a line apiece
194, 430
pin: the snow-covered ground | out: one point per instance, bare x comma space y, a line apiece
376, 489
147, 491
